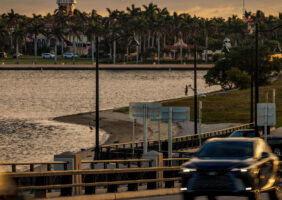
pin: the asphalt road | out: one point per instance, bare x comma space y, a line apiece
179, 197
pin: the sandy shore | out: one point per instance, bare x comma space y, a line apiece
119, 127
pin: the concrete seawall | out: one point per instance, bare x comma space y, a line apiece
104, 67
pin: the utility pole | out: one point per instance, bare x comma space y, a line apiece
97, 149
195, 90
252, 87
256, 80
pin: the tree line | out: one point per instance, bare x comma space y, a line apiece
153, 27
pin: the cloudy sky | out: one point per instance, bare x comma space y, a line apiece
203, 8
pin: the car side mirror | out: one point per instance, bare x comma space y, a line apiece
265, 155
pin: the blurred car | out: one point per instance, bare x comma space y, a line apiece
19, 55
3, 55
232, 167
69, 55
274, 142
48, 56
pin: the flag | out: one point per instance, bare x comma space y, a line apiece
247, 17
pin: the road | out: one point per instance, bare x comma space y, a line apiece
179, 197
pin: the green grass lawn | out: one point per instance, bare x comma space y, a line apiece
228, 107
232, 106
30, 60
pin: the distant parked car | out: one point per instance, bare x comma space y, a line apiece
48, 55
246, 133
19, 55
274, 142
69, 55
3, 55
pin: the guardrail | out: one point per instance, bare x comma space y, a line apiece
33, 164
190, 141
91, 179
99, 180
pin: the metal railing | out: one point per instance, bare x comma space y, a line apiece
182, 142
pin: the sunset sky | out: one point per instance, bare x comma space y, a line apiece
203, 8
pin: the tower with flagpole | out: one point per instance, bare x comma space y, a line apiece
68, 4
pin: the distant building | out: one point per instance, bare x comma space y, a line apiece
69, 4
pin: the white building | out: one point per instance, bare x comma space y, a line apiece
69, 4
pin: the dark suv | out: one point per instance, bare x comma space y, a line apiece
232, 167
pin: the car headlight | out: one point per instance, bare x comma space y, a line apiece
243, 170
188, 170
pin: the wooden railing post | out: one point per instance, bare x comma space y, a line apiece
160, 174
14, 168
90, 179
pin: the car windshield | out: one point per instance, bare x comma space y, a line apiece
226, 150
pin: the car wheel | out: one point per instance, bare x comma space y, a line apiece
255, 196
187, 196
212, 198
274, 194
277, 151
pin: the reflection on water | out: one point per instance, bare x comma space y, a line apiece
29, 99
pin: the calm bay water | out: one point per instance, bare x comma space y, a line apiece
30, 99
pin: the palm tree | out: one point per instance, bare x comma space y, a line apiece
76, 24
93, 28
113, 28
11, 20
150, 17
4, 34
35, 28
135, 23
19, 34
61, 18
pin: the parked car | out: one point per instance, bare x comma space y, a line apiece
232, 167
245, 133
19, 55
69, 55
48, 55
274, 142
3, 55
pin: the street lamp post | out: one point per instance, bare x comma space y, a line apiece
195, 91
97, 148
133, 42
256, 79
252, 88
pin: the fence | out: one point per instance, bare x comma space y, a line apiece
94, 181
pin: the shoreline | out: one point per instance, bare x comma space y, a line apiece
105, 67
119, 127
